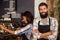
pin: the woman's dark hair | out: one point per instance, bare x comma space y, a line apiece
28, 15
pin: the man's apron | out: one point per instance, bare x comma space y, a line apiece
43, 29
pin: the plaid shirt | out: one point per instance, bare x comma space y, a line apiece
27, 30
53, 27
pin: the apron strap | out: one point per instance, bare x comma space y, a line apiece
49, 22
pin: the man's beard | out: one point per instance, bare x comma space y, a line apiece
44, 15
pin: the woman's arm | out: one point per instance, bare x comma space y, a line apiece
4, 28
24, 29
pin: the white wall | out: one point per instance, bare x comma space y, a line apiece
36, 4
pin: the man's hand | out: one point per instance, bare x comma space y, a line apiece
35, 31
44, 35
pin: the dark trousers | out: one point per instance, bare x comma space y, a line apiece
24, 37
42, 39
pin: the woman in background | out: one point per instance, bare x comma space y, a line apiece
26, 29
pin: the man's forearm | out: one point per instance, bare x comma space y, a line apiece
43, 35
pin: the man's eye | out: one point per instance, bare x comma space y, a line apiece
44, 8
40, 9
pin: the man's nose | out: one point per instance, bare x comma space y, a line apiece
43, 10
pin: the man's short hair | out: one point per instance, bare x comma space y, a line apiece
43, 4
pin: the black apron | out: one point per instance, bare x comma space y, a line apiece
43, 29
24, 37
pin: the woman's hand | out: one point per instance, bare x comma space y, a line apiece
4, 28
18, 28
1, 26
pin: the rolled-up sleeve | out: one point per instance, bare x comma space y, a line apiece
35, 26
54, 29
23, 30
